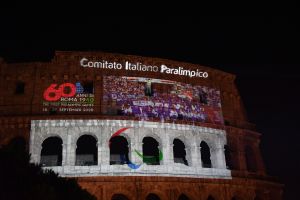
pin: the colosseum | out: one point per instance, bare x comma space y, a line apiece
133, 128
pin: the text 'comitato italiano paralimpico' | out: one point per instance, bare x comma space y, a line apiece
138, 66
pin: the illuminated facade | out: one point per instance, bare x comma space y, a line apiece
130, 127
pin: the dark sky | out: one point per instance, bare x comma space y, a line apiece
262, 51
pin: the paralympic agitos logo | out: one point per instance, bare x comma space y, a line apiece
139, 154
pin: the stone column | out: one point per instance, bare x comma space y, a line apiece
104, 147
70, 153
36, 157
196, 156
36, 150
64, 154
32, 146
167, 149
218, 157
137, 145
99, 152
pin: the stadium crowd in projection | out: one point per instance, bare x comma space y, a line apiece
148, 98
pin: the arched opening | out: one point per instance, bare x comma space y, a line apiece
51, 154
228, 157
205, 155
152, 196
118, 150
183, 197
210, 198
250, 159
179, 152
86, 151
257, 198
150, 151
119, 197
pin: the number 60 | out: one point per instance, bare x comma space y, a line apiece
52, 93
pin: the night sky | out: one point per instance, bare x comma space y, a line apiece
261, 51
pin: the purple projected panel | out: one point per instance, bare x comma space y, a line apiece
149, 98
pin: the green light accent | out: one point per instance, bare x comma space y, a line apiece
149, 159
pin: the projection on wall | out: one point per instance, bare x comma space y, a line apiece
157, 99
68, 97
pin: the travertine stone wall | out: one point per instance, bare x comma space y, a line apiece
164, 133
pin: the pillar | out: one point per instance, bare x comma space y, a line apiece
64, 154
136, 144
99, 151
103, 149
167, 149
218, 157
70, 151
196, 156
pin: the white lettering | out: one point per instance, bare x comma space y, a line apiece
138, 66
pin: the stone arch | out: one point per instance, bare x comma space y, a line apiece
209, 139
75, 139
188, 146
156, 137
126, 134
183, 196
152, 196
205, 151
210, 197
151, 151
86, 150
119, 148
51, 151
181, 137
45, 136
121, 192
119, 196
35, 144
180, 152
162, 194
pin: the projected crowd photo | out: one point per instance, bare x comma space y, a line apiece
151, 99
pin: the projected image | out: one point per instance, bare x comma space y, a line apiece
151, 99
68, 97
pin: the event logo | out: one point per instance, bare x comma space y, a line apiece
148, 160
67, 97
52, 93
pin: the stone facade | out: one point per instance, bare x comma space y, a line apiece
70, 130
22, 116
